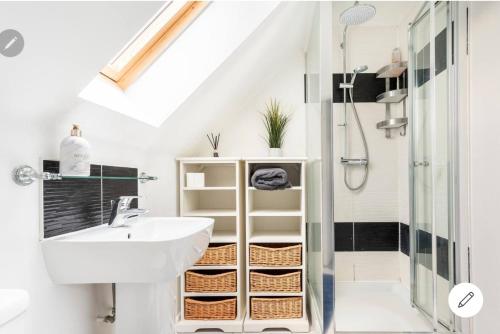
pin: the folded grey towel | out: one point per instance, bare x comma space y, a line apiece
270, 179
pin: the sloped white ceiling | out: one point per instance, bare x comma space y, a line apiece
67, 43
221, 97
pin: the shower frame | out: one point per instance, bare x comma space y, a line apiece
458, 191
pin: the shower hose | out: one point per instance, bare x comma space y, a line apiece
365, 148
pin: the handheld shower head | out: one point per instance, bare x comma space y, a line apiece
357, 70
360, 69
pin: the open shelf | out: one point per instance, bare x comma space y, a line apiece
219, 198
224, 236
209, 200
216, 174
276, 219
275, 236
293, 170
274, 202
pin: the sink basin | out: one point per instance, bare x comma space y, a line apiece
150, 250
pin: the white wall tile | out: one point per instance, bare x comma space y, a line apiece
344, 266
376, 266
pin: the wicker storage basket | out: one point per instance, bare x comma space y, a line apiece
276, 308
210, 282
276, 257
224, 309
222, 255
275, 282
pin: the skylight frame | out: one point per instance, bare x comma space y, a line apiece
165, 26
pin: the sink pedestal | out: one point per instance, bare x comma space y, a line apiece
145, 308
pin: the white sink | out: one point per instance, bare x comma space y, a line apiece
149, 250
143, 259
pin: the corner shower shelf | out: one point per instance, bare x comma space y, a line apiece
393, 70
393, 96
392, 123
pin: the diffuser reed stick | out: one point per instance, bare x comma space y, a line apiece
214, 142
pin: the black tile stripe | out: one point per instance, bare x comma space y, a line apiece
366, 89
424, 251
73, 205
391, 236
423, 59
344, 237
376, 236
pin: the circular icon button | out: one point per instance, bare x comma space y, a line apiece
11, 43
465, 300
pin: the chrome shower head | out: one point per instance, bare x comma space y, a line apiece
357, 14
357, 70
360, 69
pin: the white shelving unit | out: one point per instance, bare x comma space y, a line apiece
276, 217
221, 199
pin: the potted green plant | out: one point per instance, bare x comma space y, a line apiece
276, 123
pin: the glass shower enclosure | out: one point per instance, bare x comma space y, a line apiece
433, 161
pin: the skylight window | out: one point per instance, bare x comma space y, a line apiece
151, 41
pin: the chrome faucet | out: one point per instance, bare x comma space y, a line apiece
121, 213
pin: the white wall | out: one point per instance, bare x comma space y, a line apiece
242, 130
65, 45
380, 200
484, 160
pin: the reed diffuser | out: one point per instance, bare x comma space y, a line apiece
214, 142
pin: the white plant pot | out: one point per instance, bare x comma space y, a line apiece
275, 152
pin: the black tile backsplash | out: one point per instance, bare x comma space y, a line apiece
112, 189
71, 205
376, 236
344, 237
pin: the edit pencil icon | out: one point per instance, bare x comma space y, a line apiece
466, 299
12, 41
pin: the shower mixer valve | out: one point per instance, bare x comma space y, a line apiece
353, 162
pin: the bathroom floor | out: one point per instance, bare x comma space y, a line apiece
376, 307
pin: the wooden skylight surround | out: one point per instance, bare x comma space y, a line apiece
152, 40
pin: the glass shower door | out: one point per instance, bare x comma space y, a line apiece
432, 204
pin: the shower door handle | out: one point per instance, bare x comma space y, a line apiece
420, 163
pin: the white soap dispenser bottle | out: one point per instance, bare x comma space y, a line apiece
74, 154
